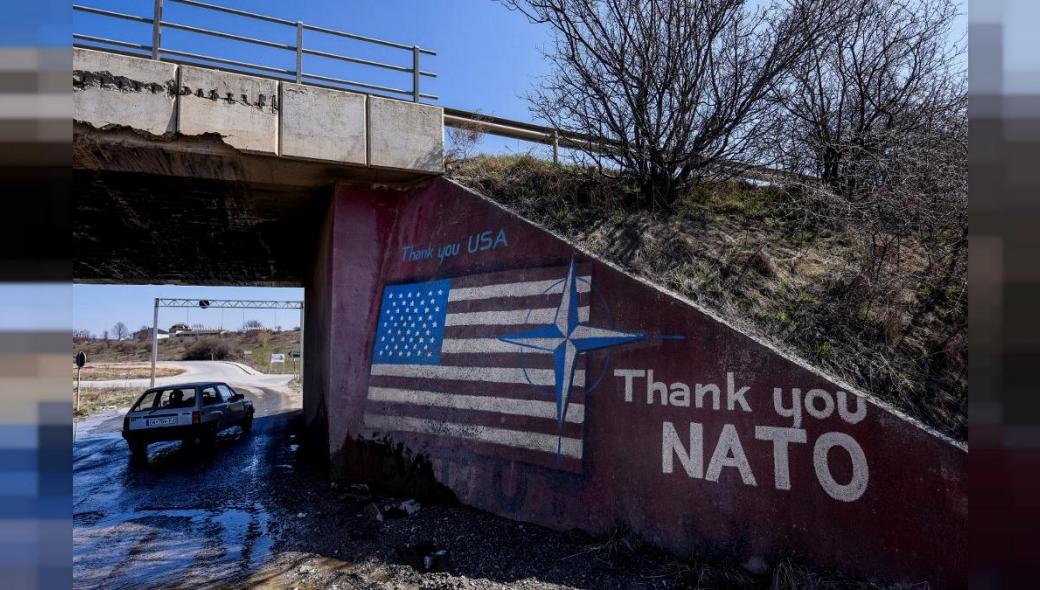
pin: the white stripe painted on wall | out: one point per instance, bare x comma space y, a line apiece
500, 405
523, 289
509, 317
490, 374
535, 441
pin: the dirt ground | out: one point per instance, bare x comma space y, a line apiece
107, 371
330, 537
252, 511
95, 399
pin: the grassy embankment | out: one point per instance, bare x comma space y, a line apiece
758, 258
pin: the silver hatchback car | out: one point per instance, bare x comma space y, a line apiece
186, 411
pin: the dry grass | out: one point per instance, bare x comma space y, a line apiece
758, 259
260, 345
623, 549
95, 399
106, 371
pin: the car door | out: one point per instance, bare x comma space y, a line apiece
214, 408
236, 407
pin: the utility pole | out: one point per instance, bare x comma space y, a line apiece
155, 340
81, 359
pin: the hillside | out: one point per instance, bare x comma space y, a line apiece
229, 346
761, 259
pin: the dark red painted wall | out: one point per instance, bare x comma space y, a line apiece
908, 523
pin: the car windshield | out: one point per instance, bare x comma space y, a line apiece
162, 399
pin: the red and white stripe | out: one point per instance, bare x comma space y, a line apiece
479, 397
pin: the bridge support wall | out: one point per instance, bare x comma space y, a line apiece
561, 391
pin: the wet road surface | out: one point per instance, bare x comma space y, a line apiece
190, 516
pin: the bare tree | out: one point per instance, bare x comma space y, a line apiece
252, 325
677, 86
120, 331
81, 336
885, 74
877, 112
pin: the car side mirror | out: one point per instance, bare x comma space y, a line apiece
236, 397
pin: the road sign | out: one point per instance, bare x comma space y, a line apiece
81, 359
295, 354
277, 357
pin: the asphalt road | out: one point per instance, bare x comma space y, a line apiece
227, 371
189, 516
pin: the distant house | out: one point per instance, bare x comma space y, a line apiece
202, 332
147, 334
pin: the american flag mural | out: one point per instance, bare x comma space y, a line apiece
491, 362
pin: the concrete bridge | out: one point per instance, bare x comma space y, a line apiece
456, 347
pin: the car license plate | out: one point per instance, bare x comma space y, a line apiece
162, 421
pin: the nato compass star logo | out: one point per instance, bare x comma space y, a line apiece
566, 338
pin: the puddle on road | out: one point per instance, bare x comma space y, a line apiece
184, 546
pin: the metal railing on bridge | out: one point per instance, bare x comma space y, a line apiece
157, 51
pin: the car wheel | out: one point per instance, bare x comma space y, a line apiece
138, 449
208, 439
247, 425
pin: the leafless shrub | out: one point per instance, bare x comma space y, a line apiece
885, 72
678, 87
463, 139
208, 349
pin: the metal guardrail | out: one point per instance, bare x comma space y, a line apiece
557, 138
155, 50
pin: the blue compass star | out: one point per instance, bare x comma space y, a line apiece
566, 338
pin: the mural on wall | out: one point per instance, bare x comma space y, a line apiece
465, 350
535, 383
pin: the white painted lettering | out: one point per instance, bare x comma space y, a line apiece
843, 408
729, 453
701, 390
692, 461
629, 375
851, 491
811, 406
795, 411
653, 387
680, 395
781, 437
734, 395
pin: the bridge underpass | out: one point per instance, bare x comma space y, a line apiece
694, 435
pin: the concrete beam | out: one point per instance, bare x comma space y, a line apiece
322, 124
259, 115
110, 89
405, 135
241, 109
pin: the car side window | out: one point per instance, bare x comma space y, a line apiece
210, 396
177, 398
147, 401
225, 392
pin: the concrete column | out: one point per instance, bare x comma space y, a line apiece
342, 304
